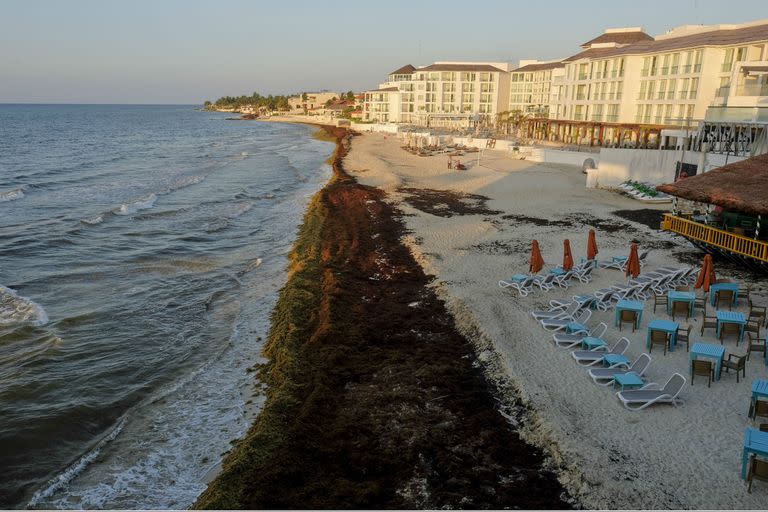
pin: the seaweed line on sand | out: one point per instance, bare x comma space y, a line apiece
374, 398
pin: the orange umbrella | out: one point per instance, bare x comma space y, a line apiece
537, 262
567, 256
706, 274
591, 245
633, 262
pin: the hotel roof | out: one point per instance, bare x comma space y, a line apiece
723, 37
386, 89
461, 67
740, 186
619, 37
405, 70
539, 67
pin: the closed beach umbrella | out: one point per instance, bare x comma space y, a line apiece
633, 262
591, 245
537, 262
706, 274
567, 256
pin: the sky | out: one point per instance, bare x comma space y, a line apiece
189, 51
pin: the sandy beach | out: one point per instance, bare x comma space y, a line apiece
606, 456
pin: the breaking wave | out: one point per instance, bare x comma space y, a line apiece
15, 309
11, 195
141, 204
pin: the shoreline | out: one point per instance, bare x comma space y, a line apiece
479, 231
375, 400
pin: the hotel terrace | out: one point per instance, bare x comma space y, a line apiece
620, 90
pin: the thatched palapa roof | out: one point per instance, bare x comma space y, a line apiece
740, 186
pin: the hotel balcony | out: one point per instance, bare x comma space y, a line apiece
715, 239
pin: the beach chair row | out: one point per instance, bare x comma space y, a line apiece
525, 284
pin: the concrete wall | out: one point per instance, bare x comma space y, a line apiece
375, 127
556, 156
654, 166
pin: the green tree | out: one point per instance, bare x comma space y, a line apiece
350, 96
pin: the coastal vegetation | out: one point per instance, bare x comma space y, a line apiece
374, 400
271, 103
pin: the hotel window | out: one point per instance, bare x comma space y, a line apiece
486, 77
578, 113
665, 65
581, 92
466, 107
688, 62
431, 87
659, 114
646, 66
613, 114
697, 61
725, 83
681, 112
489, 88
449, 87
621, 67
643, 89
668, 114
619, 89
468, 88
433, 76
485, 98
662, 90
694, 87
675, 64
651, 89
689, 112
671, 89
684, 88
597, 113
639, 114
728, 61
431, 97
447, 76
583, 71
468, 77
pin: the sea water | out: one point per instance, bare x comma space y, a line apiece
141, 252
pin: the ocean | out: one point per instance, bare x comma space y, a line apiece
142, 249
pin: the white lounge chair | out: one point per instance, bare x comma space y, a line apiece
557, 312
566, 340
523, 287
637, 399
546, 282
576, 322
617, 263
592, 357
605, 302
585, 275
563, 280
605, 376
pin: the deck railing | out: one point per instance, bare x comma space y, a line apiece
731, 242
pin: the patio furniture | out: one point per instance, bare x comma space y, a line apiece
724, 297
744, 292
734, 287
758, 409
734, 362
592, 343
659, 338
638, 399
684, 336
660, 300
665, 326
707, 322
701, 367
759, 390
710, 351
557, 312
605, 376
682, 288
546, 282
680, 302
523, 287
700, 303
755, 442
573, 324
758, 469
590, 358
757, 313
732, 322
627, 316
752, 327
629, 380
756, 345
565, 340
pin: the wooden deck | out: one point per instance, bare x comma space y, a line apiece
711, 237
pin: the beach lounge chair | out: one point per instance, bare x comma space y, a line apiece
617, 263
605, 376
661, 286
605, 302
546, 282
593, 357
574, 323
585, 275
642, 257
524, 287
559, 312
638, 399
563, 280
566, 340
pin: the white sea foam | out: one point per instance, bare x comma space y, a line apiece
11, 195
144, 203
93, 220
15, 309
62, 479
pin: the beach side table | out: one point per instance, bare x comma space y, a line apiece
592, 343
558, 271
716, 352
674, 296
576, 328
759, 390
667, 326
519, 278
629, 305
731, 317
755, 442
615, 360
628, 380
724, 286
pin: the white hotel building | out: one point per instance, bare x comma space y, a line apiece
621, 89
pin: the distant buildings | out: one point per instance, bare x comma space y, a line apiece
621, 89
